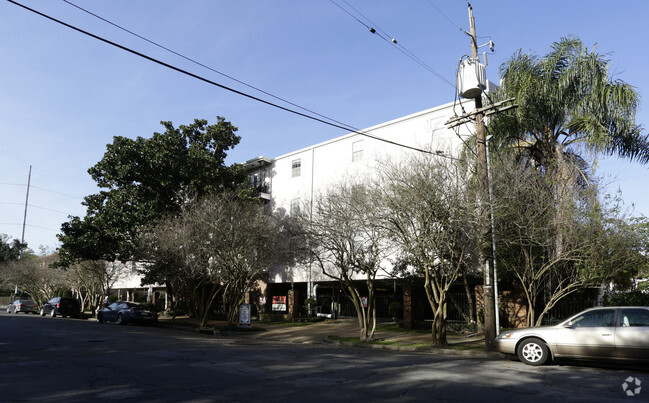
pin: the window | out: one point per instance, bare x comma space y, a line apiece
296, 168
254, 180
357, 151
596, 318
634, 317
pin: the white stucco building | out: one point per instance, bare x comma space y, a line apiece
291, 180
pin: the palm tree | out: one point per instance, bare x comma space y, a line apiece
568, 102
569, 105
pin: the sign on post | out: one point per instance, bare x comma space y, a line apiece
244, 315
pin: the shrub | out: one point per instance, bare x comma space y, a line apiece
395, 309
629, 298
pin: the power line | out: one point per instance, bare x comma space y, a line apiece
49, 209
29, 225
178, 69
35, 206
196, 76
43, 189
201, 64
388, 38
55, 192
444, 15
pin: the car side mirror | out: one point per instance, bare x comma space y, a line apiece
568, 325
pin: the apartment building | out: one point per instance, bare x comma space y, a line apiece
290, 181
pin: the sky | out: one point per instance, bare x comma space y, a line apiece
65, 95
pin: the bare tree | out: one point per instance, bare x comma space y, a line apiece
596, 243
432, 215
36, 278
93, 279
218, 246
349, 244
245, 240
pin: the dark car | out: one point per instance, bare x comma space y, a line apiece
62, 306
618, 333
22, 305
124, 312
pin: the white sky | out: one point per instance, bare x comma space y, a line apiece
63, 95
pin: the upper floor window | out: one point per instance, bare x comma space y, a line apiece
254, 180
296, 168
357, 151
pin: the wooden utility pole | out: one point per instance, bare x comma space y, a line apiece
483, 178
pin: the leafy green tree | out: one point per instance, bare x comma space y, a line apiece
10, 249
145, 179
569, 107
567, 102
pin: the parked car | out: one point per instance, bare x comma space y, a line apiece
22, 305
62, 306
617, 333
124, 312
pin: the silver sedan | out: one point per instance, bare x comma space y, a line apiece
22, 305
619, 333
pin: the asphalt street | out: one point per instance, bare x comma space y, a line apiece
69, 360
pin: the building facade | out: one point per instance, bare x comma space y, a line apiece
291, 181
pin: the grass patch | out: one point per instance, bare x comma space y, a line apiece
379, 342
293, 324
240, 329
466, 347
394, 327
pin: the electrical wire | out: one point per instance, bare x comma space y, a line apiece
199, 63
49, 209
196, 76
55, 192
390, 39
444, 15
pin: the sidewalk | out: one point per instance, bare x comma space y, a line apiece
328, 332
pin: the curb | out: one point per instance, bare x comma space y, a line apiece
429, 350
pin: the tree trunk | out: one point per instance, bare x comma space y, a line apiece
438, 331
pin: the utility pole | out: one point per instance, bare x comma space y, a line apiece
483, 180
22, 237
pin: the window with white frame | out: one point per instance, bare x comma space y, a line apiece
296, 168
357, 151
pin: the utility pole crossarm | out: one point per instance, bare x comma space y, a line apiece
487, 110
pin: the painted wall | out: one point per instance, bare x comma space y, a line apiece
325, 164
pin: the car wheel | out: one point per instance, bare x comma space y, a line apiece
100, 318
42, 312
533, 352
53, 313
121, 320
